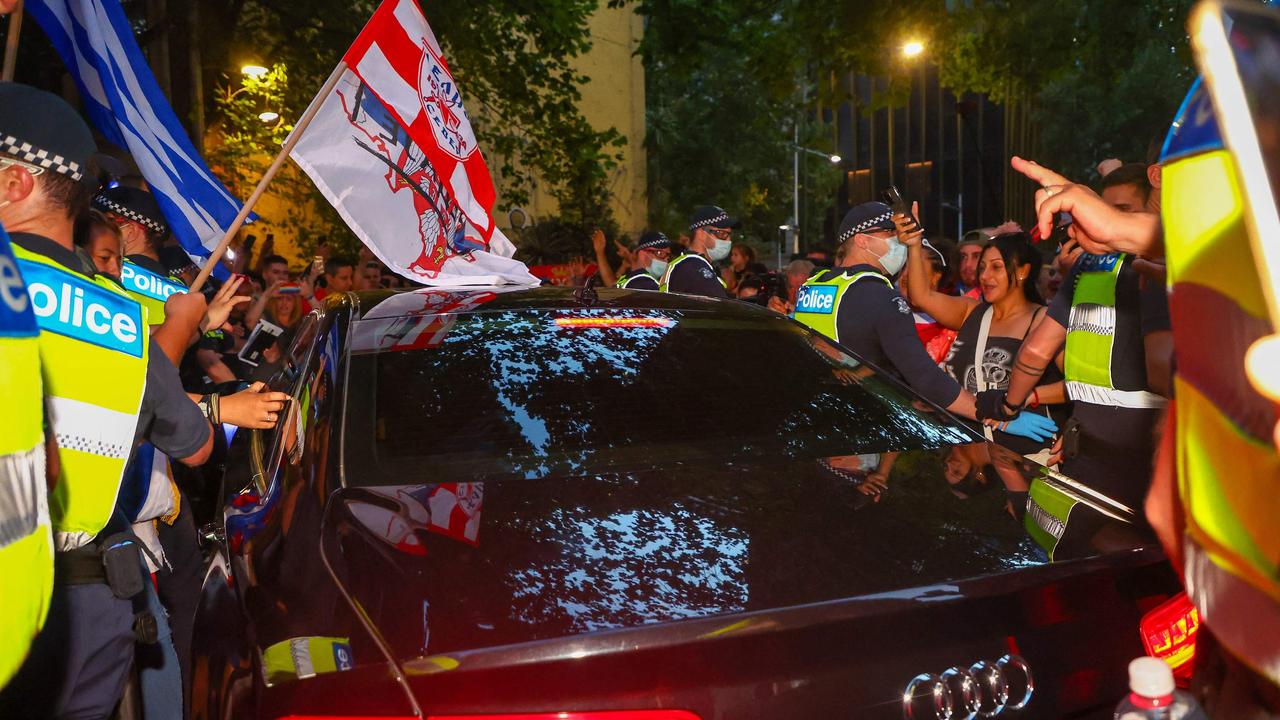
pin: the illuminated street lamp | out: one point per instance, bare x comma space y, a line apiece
795, 186
912, 48
268, 116
254, 71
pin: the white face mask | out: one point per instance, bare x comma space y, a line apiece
657, 267
893, 259
720, 250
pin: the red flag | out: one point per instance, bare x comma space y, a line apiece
398, 58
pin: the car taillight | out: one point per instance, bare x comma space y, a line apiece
613, 322
1169, 633
599, 715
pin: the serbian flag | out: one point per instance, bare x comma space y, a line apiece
392, 149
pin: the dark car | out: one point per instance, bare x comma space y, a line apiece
541, 503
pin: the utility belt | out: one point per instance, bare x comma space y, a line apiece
114, 561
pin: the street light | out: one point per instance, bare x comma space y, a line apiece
268, 116
913, 48
795, 186
254, 71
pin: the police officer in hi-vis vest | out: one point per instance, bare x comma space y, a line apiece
143, 229
857, 306
107, 388
26, 545
1113, 324
694, 271
649, 261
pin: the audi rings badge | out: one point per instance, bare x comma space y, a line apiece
984, 689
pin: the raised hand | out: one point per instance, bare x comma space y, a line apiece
1096, 225
219, 309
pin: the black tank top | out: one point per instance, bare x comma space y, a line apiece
997, 368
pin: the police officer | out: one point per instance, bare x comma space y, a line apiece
107, 386
857, 306
1113, 326
143, 228
26, 545
694, 272
649, 261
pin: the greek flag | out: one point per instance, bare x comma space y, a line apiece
121, 97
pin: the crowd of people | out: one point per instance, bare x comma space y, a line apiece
119, 378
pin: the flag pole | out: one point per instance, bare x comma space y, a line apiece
11, 44
285, 149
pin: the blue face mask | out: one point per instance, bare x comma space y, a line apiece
657, 268
720, 250
894, 258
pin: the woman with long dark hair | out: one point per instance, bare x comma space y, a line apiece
991, 329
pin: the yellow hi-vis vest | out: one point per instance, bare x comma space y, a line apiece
818, 302
26, 545
1091, 338
149, 289
93, 352
1228, 469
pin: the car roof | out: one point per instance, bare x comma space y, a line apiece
500, 298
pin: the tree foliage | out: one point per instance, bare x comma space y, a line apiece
726, 78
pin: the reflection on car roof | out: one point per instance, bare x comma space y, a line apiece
431, 301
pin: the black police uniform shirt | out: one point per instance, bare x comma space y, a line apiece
640, 280
166, 418
875, 322
1116, 444
696, 277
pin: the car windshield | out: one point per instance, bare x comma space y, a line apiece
542, 393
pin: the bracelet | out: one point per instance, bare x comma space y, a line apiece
1035, 398
210, 407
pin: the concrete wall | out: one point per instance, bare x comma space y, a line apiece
614, 97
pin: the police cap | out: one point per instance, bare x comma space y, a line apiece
40, 129
653, 241
864, 218
133, 204
711, 216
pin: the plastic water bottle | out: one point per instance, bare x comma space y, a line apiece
1153, 695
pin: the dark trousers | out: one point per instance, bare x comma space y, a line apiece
79, 662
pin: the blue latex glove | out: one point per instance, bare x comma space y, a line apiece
1030, 425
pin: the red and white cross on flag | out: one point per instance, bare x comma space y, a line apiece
392, 148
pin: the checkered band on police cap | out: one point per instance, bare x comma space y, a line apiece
40, 130
39, 157
711, 216
109, 205
864, 217
651, 240
132, 204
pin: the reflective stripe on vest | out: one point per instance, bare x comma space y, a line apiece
1091, 338
818, 302
149, 289
666, 277
625, 281
26, 547
1228, 469
1048, 510
93, 352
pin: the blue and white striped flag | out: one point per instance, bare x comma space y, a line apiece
121, 96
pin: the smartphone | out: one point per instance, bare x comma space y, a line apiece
262, 337
897, 204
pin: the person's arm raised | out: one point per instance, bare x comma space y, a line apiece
1096, 225
948, 310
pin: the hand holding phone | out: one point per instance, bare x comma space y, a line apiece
898, 205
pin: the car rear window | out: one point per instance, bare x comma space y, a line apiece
530, 394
